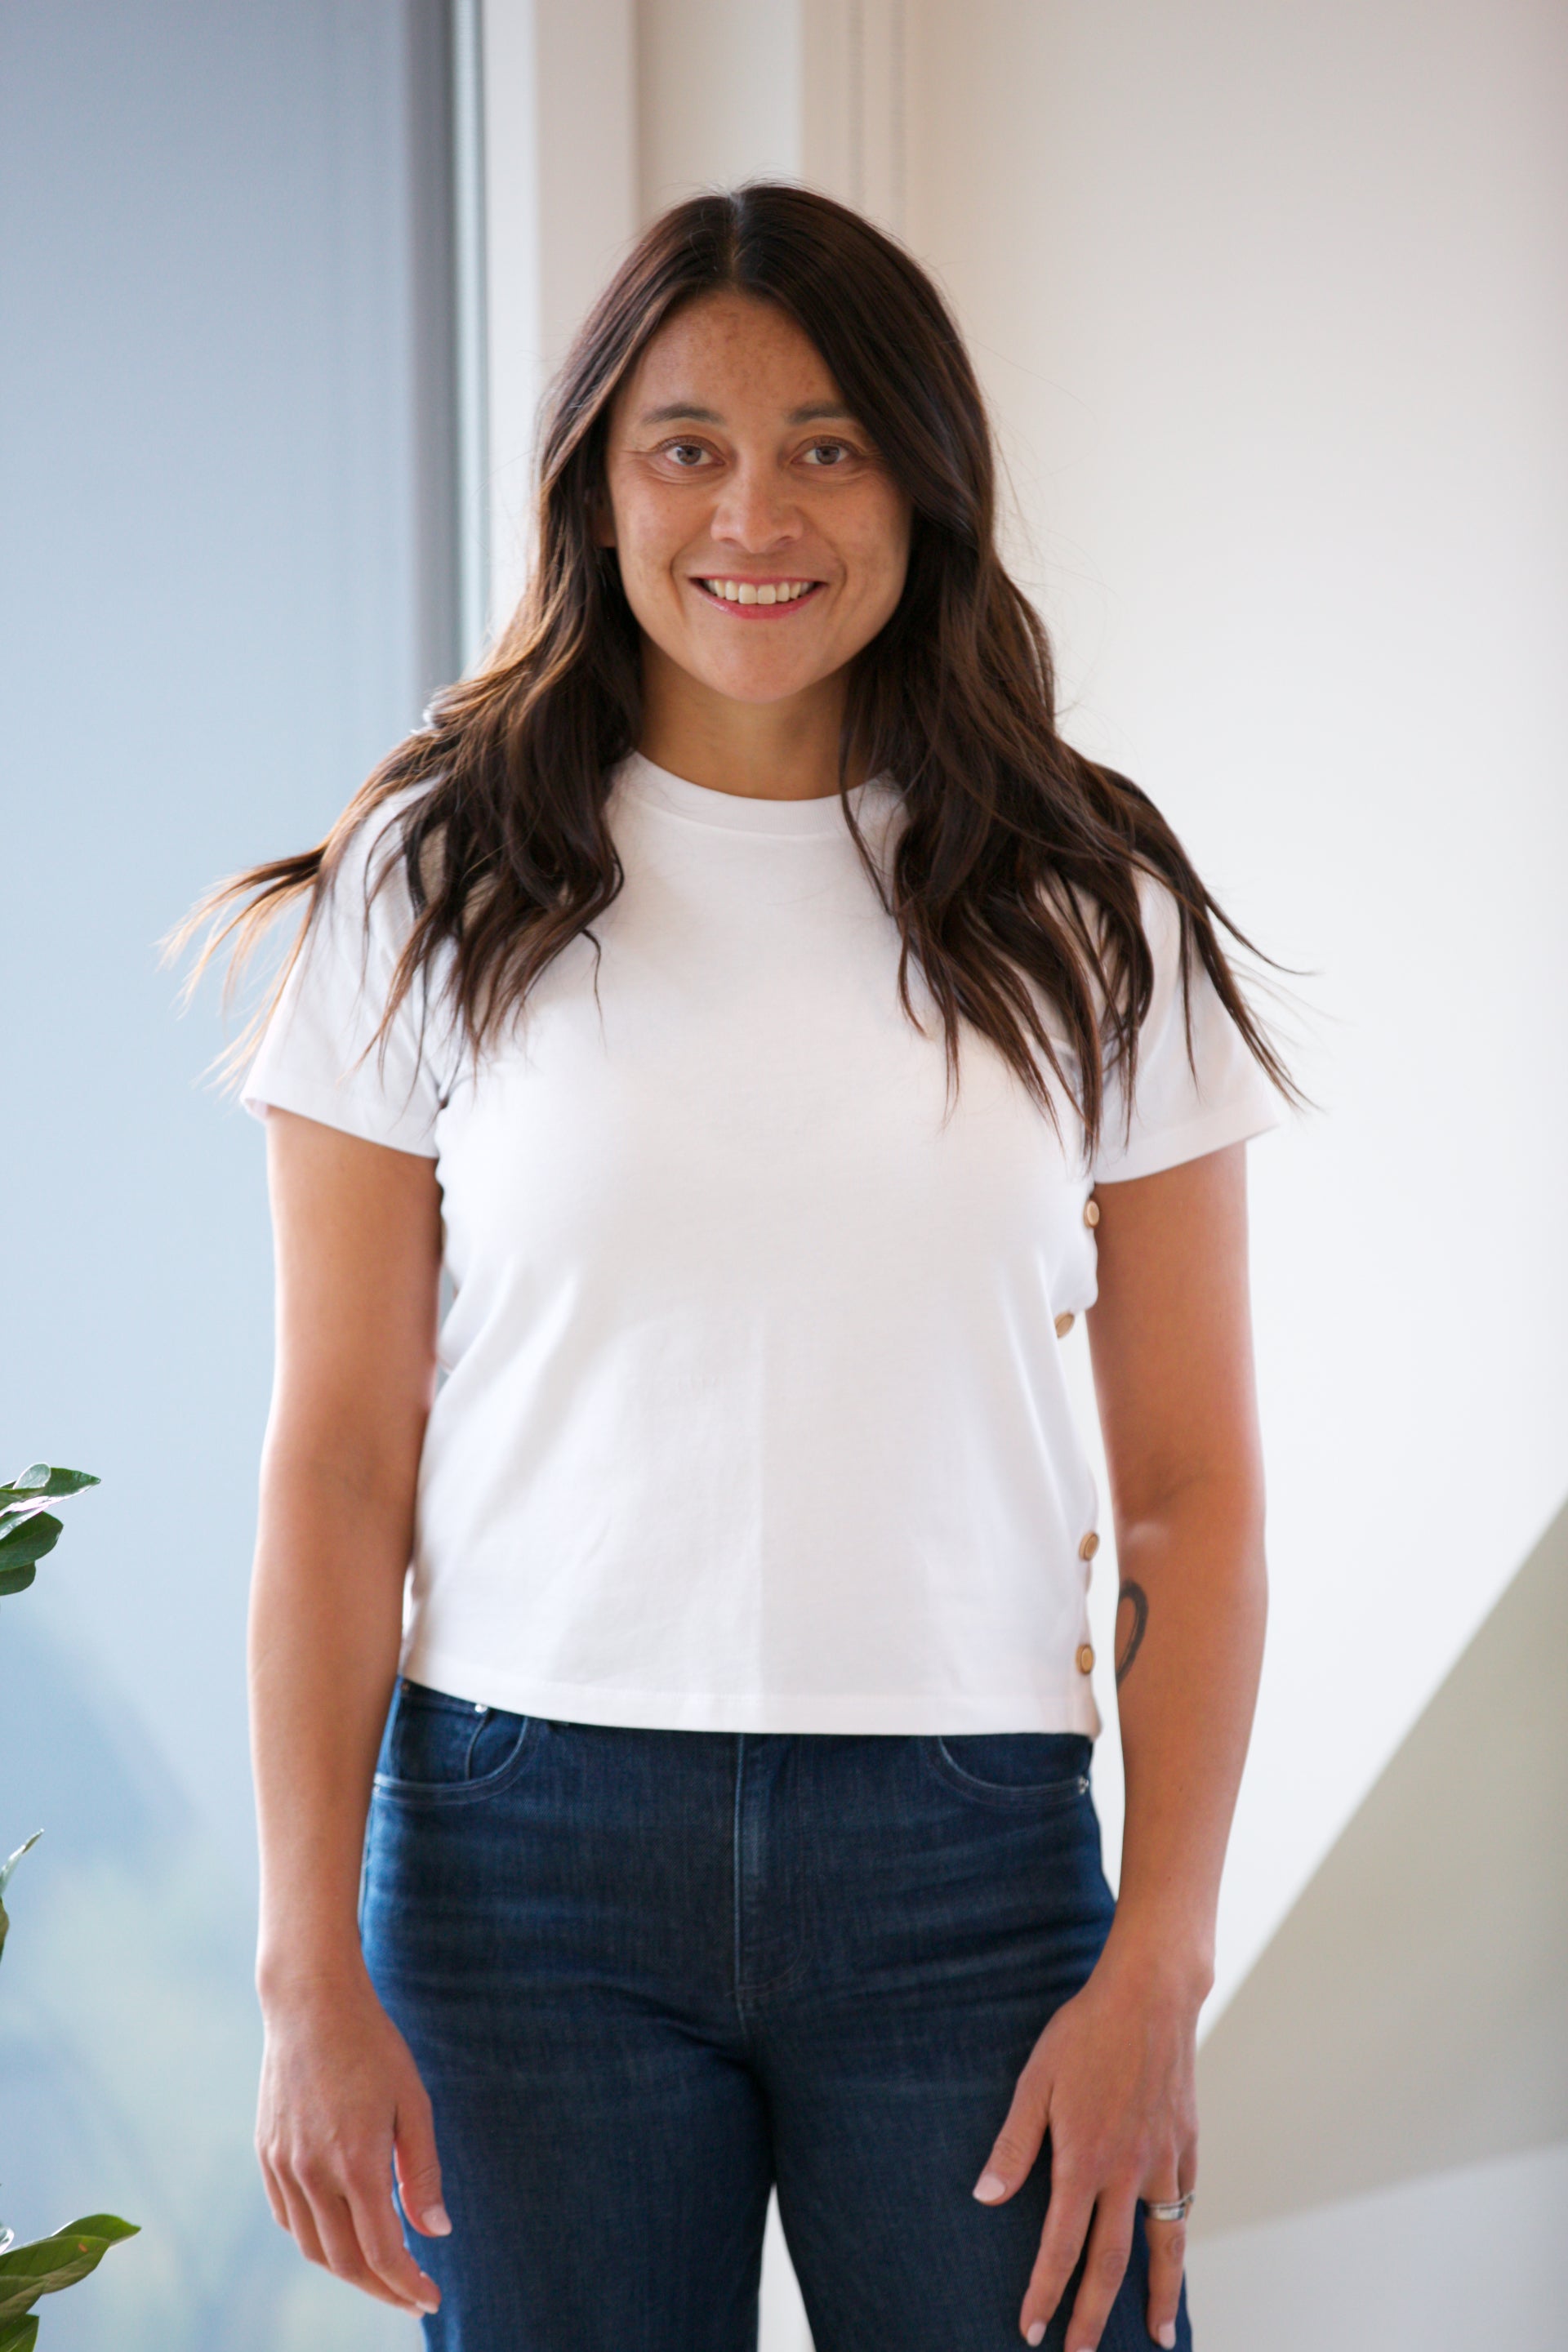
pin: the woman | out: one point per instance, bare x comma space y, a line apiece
779, 1035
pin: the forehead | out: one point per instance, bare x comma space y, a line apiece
726, 356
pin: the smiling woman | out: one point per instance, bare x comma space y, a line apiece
719, 1811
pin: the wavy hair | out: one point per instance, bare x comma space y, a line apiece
1015, 880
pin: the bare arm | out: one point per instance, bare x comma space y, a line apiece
357, 1229
1112, 2076
1172, 1344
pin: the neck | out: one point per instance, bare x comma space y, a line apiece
784, 750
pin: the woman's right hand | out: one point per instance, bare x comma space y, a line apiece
342, 2104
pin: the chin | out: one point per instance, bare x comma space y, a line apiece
757, 682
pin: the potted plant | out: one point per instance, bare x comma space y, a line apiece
45, 2265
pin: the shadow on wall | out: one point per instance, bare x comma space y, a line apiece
1411, 2015
129, 2039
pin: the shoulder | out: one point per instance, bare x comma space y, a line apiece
1195, 1082
363, 901
352, 1040
1166, 935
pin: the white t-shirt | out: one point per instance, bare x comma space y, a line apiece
753, 1415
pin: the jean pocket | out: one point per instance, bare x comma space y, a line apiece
1017, 1770
440, 1750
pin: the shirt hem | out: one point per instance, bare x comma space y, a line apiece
334, 1109
903, 1714
1174, 1146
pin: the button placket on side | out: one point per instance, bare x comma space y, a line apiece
1088, 1544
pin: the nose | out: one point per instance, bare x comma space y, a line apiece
756, 511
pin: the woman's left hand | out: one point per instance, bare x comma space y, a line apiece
1111, 2078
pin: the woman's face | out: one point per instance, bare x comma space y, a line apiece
761, 542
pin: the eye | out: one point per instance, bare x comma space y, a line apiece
686, 455
834, 453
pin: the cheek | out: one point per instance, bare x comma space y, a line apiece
639, 546
650, 591
886, 539
884, 561
646, 537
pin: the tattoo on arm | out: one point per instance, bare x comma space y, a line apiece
1134, 1596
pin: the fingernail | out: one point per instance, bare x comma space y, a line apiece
438, 2221
1168, 2336
988, 2187
1036, 2335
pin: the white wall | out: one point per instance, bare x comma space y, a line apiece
718, 95
1268, 304
1443, 2264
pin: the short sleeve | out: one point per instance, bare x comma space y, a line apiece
313, 1056
1181, 1107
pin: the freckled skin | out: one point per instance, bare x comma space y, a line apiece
751, 490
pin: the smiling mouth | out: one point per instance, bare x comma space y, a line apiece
757, 599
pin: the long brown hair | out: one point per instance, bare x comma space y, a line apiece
1014, 878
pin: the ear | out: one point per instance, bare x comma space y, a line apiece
601, 517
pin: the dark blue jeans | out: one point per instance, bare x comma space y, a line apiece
645, 1975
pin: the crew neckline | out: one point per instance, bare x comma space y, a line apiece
740, 811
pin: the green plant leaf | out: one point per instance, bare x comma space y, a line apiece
26, 1532
38, 1480
107, 2226
18, 2334
15, 1510
9, 1865
55, 2261
5, 1870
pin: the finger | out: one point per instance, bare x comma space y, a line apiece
1167, 2259
1109, 2247
301, 2222
274, 2194
1017, 2144
341, 2248
1068, 2217
381, 2238
1167, 2252
418, 2167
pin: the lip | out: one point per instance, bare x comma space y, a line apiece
737, 612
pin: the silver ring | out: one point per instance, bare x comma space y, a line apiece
1176, 2211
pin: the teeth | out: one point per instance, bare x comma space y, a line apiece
753, 591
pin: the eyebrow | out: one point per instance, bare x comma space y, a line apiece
676, 411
